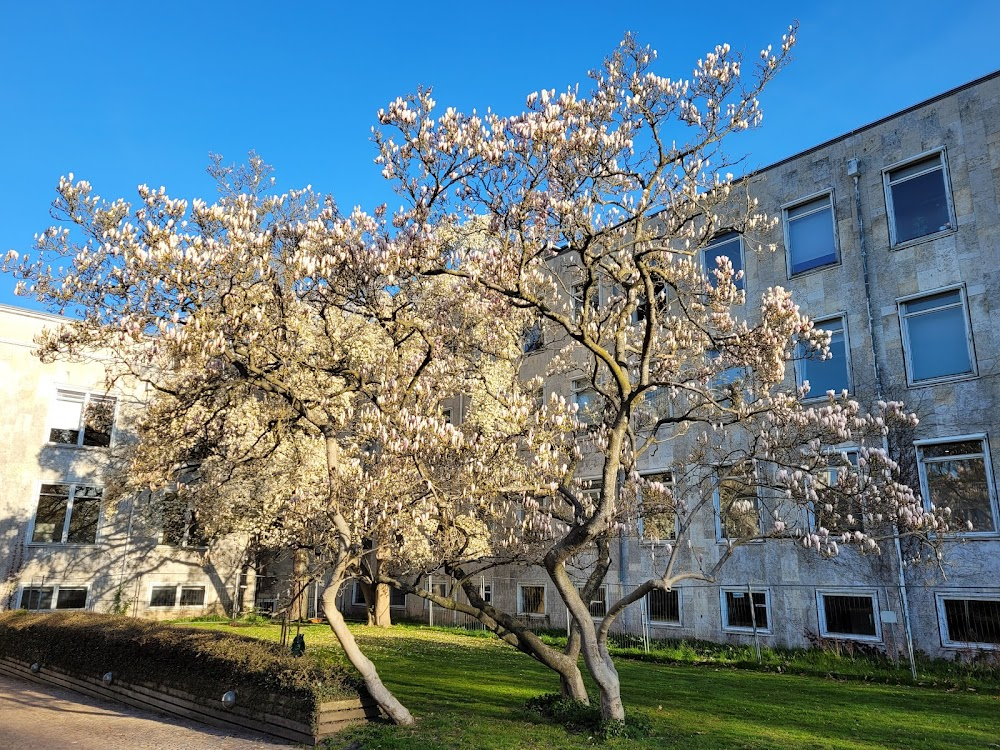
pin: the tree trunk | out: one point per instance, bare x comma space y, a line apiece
298, 609
382, 616
595, 655
385, 699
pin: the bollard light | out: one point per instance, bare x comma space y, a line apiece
108, 678
229, 699
36, 667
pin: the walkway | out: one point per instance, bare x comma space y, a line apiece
41, 717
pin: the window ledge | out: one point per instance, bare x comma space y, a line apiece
71, 446
63, 545
850, 637
665, 624
809, 271
968, 536
966, 645
745, 631
822, 398
923, 239
942, 381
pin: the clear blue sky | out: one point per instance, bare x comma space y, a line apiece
123, 93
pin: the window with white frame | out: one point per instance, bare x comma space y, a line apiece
832, 373
438, 587
729, 245
937, 339
532, 340
918, 199
810, 235
969, 621
67, 514
838, 508
664, 606
849, 614
179, 525
737, 503
54, 596
579, 292
530, 599
486, 591
81, 418
397, 598
598, 603
657, 516
176, 595
746, 610
956, 474
587, 400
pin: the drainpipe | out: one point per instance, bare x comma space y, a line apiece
854, 170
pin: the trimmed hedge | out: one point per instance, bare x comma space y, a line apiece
204, 663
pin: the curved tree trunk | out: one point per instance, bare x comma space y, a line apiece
595, 655
385, 699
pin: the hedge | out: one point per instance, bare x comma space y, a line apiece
204, 663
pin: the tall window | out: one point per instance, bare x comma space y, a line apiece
67, 514
80, 418
657, 517
180, 526
737, 503
730, 246
918, 199
810, 233
664, 606
956, 475
832, 374
743, 610
587, 400
598, 603
848, 615
532, 340
837, 509
936, 336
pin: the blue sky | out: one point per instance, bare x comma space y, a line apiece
123, 93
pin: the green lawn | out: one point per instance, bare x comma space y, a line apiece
469, 693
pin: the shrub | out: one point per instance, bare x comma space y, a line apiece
204, 663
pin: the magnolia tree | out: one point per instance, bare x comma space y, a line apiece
296, 376
596, 207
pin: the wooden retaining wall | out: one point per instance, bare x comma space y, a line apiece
332, 716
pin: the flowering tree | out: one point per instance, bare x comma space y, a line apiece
596, 208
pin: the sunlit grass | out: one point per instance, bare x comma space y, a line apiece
470, 692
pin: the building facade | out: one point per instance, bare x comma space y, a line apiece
888, 236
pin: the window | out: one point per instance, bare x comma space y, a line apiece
169, 594
746, 610
810, 235
180, 526
438, 588
725, 384
486, 592
823, 375
598, 604
730, 246
530, 599
532, 339
53, 597
918, 200
849, 615
80, 418
657, 519
737, 504
936, 336
67, 514
969, 621
397, 598
956, 474
578, 291
664, 606
643, 308
446, 416
837, 510
587, 400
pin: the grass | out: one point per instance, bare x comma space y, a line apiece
471, 692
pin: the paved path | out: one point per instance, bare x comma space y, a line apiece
42, 717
